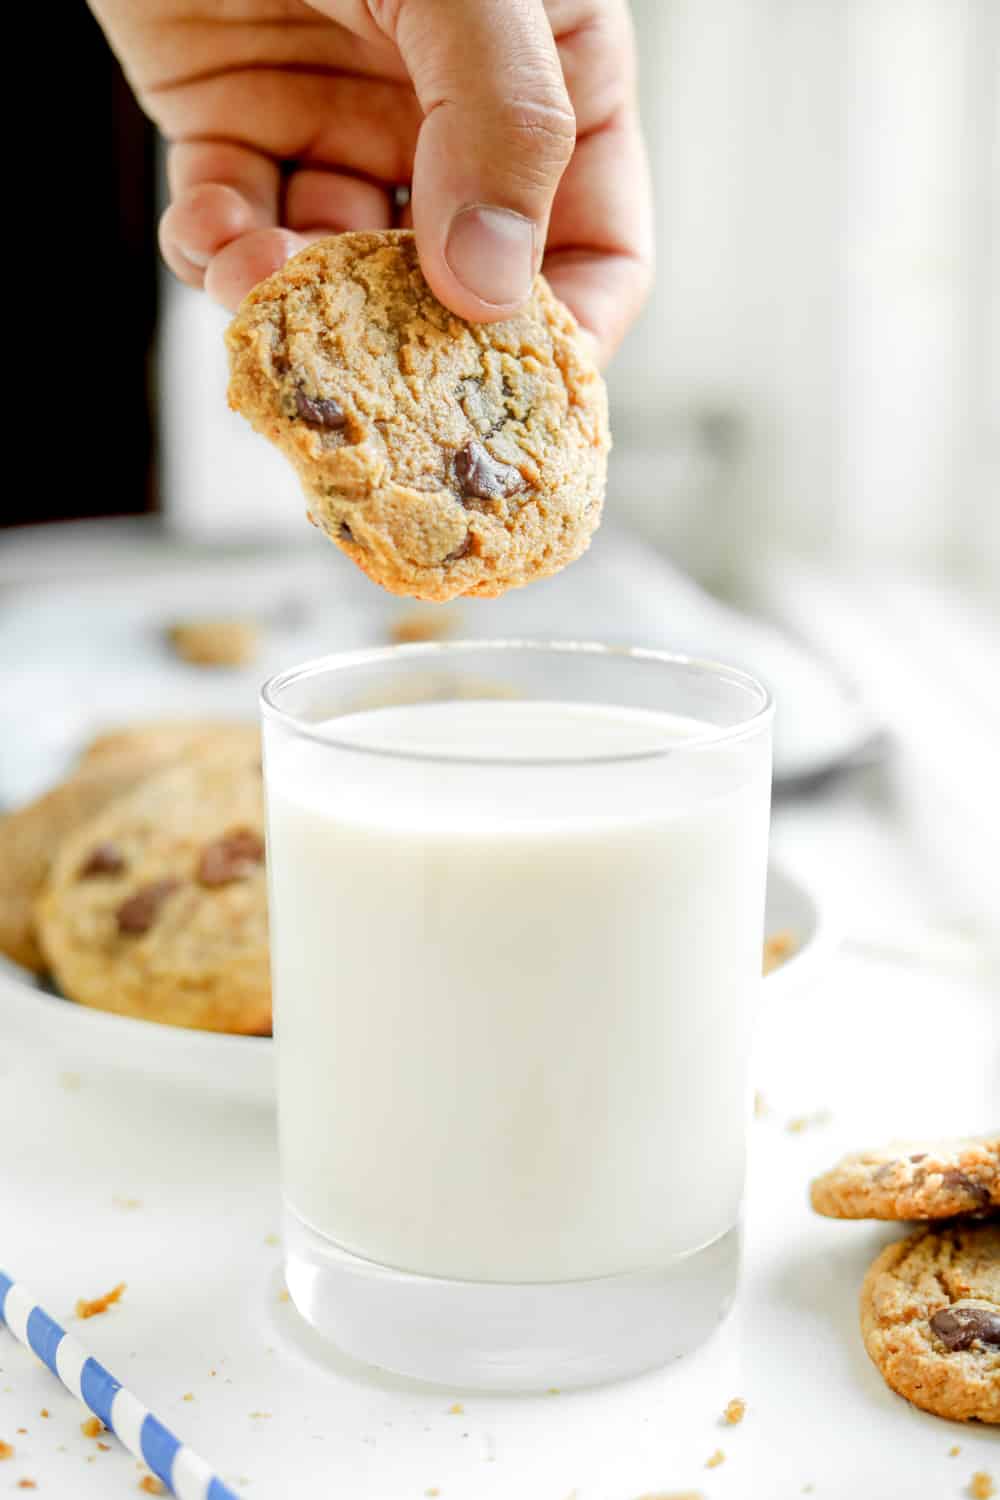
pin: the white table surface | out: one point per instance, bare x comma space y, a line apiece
104, 1179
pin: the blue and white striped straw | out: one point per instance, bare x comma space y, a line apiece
185, 1474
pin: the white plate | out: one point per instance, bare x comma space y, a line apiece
243, 1066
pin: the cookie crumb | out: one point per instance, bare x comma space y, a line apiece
954, 1451
188, 1396
553, 1390
272, 1239
150, 1485
734, 1412
456, 1410
26, 1484
981, 1486
420, 625
215, 643
104, 1447
6, 1450
717, 1458
673, 1495
92, 1308
284, 1296
432, 1491
260, 1415
44, 1412
92, 1428
799, 1123
23, 1431
778, 949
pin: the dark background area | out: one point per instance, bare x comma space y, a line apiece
95, 254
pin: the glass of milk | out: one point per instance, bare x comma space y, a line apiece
517, 896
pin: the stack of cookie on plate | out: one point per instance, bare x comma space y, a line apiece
138, 883
930, 1303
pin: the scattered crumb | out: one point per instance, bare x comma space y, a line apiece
93, 1427
260, 1414
150, 1485
553, 1390
284, 1296
44, 1412
423, 625
759, 1105
126, 1205
23, 1431
6, 1449
456, 1410
104, 1447
800, 1123
215, 643
954, 1451
433, 1491
188, 1396
91, 1309
26, 1484
673, 1495
981, 1486
778, 949
213, 1372
718, 1457
734, 1412
272, 1239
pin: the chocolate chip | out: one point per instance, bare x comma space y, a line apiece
345, 533
959, 1182
320, 411
966, 1323
482, 477
233, 857
105, 859
919, 1156
139, 912
462, 550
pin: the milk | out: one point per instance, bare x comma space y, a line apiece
513, 1000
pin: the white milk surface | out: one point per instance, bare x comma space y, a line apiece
513, 1000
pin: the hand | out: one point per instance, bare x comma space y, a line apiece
513, 123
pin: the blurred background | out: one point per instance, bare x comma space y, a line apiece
806, 418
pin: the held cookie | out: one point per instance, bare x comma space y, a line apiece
444, 457
930, 1317
913, 1180
157, 908
30, 837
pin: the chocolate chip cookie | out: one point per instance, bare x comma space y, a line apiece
913, 1180
157, 907
30, 836
930, 1318
443, 457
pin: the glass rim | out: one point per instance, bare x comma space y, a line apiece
440, 651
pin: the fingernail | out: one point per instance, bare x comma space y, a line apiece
491, 251
196, 257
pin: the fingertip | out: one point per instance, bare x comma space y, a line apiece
239, 266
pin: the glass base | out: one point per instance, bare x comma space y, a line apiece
509, 1336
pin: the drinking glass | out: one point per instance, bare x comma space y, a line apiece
517, 895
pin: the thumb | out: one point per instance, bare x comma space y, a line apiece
497, 133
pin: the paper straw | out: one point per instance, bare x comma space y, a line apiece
185, 1474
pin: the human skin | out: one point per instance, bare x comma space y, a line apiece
513, 123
